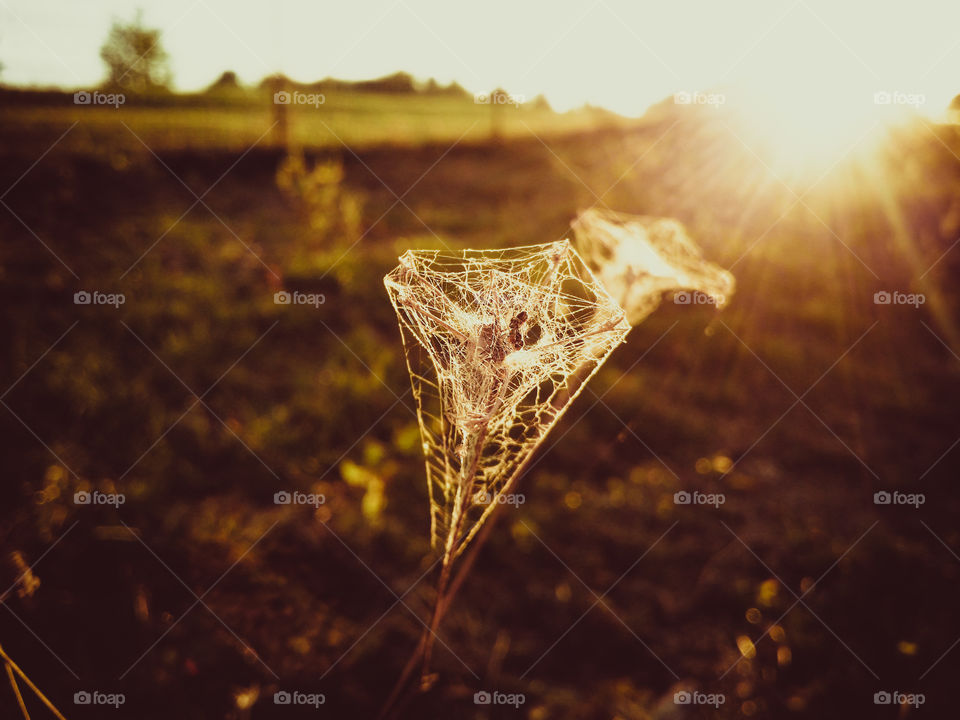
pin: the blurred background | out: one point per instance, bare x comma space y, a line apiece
167, 171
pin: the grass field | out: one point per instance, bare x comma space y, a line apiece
357, 119
798, 403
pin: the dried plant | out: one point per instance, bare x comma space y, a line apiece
14, 671
638, 258
492, 339
498, 344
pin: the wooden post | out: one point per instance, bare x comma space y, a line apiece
280, 99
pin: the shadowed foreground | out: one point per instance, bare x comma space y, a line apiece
200, 398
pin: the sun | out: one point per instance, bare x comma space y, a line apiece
803, 136
802, 131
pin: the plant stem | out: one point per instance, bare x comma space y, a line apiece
16, 691
431, 630
11, 665
468, 476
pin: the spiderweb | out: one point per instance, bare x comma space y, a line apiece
638, 258
498, 344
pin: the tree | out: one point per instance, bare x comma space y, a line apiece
134, 57
227, 81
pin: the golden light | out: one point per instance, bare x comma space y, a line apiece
815, 95
803, 135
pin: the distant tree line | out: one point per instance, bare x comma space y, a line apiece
137, 64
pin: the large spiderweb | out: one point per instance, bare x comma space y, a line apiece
638, 258
498, 344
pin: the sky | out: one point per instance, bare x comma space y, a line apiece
620, 54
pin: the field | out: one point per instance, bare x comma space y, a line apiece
227, 122
199, 399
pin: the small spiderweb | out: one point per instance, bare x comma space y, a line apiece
498, 344
638, 258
